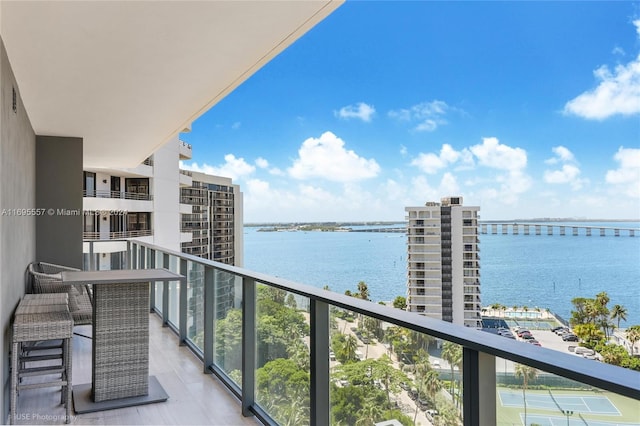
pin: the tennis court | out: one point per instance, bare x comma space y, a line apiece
572, 421
578, 404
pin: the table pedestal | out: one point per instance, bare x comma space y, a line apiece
120, 341
120, 356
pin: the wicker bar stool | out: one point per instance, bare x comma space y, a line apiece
43, 303
33, 324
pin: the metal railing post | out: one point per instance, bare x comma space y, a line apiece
209, 315
165, 293
128, 255
320, 405
134, 256
470, 387
248, 344
183, 303
151, 261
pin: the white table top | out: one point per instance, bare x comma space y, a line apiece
120, 276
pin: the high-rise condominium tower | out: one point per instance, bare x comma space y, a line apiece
443, 261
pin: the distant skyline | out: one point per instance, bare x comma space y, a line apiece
527, 109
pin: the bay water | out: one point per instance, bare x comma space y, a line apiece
534, 270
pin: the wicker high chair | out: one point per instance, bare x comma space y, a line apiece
47, 278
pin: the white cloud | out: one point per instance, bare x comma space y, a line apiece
262, 163
562, 153
426, 116
430, 163
626, 178
511, 163
233, 168
326, 157
492, 153
361, 111
618, 92
569, 173
236, 125
618, 51
403, 150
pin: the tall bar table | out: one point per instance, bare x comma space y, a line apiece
120, 353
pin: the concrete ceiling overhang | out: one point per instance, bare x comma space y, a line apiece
126, 76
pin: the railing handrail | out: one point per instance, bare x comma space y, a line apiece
604, 376
97, 235
106, 193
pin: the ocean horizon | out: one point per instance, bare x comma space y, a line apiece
537, 271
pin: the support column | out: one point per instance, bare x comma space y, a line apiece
479, 388
59, 193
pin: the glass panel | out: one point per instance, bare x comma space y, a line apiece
159, 285
384, 372
174, 293
228, 324
529, 396
195, 303
282, 355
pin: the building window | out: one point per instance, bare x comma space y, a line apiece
89, 184
137, 185
139, 221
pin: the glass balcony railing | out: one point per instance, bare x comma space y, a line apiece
299, 355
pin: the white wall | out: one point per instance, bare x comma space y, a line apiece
17, 191
166, 196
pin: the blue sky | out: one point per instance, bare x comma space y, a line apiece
527, 109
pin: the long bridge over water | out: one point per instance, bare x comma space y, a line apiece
547, 228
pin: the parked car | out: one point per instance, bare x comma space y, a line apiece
560, 327
534, 342
413, 394
521, 331
528, 337
431, 414
570, 338
584, 351
561, 331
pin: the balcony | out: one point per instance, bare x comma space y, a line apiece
200, 336
185, 178
185, 151
116, 194
93, 236
219, 316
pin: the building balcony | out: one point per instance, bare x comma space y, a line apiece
122, 203
186, 153
121, 235
185, 178
121, 195
215, 351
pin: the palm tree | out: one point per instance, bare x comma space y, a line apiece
452, 353
633, 335
527, 374
619, 312
363, 291
370, 412
432, 384
350, 347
